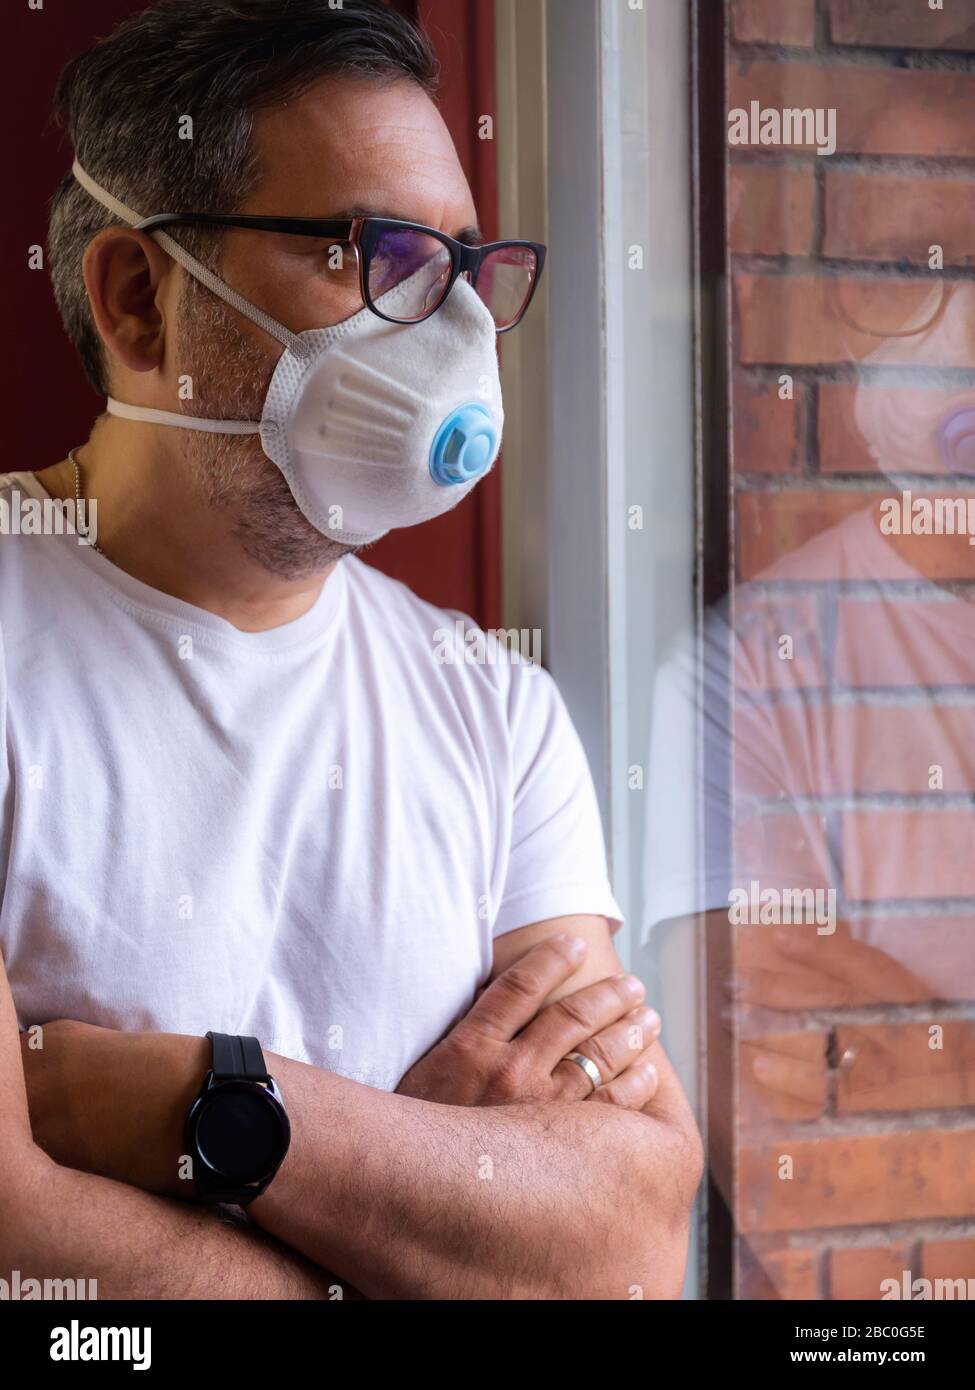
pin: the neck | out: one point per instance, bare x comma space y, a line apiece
951, 558
155, 524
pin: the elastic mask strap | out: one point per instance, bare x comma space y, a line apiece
186, 422
192, 266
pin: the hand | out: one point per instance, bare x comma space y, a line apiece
791, 968
114, 1103
510, 1048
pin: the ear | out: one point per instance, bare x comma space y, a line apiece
127, 276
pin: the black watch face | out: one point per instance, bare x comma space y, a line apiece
239, 1132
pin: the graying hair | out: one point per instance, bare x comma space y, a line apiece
217, 61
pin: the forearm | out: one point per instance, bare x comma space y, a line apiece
58, 1223
539, 1200
511, 1192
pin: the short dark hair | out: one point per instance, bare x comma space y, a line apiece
217, 61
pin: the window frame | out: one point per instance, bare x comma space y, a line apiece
595, 138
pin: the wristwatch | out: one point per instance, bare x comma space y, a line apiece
237, 1130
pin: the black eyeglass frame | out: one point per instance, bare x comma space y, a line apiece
362, 234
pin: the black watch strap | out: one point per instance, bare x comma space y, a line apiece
236, 1058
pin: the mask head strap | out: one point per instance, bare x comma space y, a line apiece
186, 422
191, 265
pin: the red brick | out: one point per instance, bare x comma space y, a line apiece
904, 642
858, 1271
894, 1068
760, 1103
774, 525
896, 217
908, 854
781, 850
804, 320
858, 1180
791, 750
760, 623
948, 1259
878, 110
855, 424
770, 21
894, 24
771, 210
770, 1274
935, 557
939, 949
766, 429
882, 748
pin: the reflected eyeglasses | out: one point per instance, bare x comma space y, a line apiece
419, 261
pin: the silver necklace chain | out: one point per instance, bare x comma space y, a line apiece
78, 499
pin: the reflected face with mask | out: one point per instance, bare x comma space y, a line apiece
344, 420
927, 329
909, 338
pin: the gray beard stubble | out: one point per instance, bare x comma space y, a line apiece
230, 374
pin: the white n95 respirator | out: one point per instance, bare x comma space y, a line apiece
374, 425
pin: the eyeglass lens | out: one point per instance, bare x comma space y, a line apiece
403, 254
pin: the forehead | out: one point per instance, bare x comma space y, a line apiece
359, 143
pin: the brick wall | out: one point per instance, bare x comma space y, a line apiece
854, 752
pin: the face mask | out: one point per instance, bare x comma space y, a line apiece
374, 425
904, 433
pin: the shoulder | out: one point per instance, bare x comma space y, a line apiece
446, 644
13, 487
18, 495
387, 603
25, 484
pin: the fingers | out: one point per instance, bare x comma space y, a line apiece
512, 1000
577, 1018
865, 969
789, 1076
787, 989
632, 1089
796, 969
613, 1050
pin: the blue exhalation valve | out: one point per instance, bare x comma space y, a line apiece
464, 446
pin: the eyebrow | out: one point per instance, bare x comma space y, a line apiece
470, 236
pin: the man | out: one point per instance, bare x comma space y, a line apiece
244, 792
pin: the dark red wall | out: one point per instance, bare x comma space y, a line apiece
453, 561
456, 560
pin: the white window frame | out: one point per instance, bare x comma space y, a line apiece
594, 131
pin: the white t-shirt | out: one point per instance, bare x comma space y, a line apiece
311, 834
878, 690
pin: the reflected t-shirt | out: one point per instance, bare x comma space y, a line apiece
842, 758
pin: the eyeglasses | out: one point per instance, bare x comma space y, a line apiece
882, 308
419, 262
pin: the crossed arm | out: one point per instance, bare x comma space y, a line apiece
56, 1222
503, 1188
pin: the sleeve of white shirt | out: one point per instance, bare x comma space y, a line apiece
557, 859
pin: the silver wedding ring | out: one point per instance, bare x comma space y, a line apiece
590, 1068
